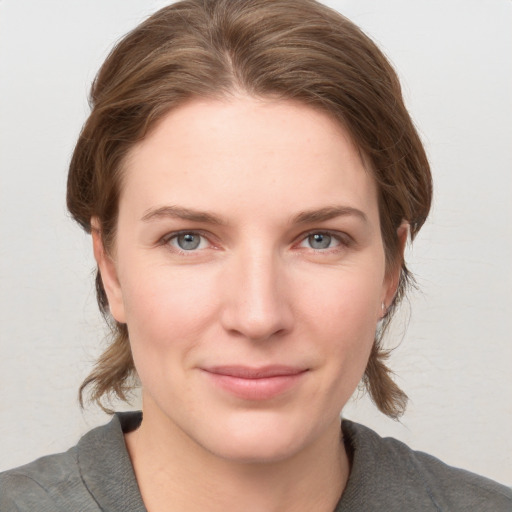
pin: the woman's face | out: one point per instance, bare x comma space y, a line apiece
250, 270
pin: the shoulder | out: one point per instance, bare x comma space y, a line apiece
38, 485
407, 479
94, 475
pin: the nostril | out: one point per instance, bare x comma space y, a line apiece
256, 325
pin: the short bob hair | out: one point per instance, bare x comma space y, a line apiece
294, 50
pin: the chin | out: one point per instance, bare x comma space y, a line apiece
259, 439
261, 449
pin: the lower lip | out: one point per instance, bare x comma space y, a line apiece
256, 389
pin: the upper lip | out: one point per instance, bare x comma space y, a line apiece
262, 372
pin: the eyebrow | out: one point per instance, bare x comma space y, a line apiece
178, 212
305, 217
328, 213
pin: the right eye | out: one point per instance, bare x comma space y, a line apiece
187, 241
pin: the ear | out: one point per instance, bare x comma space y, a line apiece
393, 275
108, 272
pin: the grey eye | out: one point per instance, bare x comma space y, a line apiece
188, 241
319, 240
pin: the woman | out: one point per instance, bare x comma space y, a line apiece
250, 176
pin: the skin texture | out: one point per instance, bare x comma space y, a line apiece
252, 181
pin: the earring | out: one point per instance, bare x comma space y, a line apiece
383, 307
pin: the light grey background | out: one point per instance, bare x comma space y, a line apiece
455, 359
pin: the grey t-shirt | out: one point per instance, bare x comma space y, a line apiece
97, 475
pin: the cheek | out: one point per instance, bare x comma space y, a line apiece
166, 294
167, 313
345, 300
344, 317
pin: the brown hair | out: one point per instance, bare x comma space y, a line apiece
290, 49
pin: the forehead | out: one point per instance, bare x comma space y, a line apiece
261, 154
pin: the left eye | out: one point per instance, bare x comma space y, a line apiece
189, 241
320, 241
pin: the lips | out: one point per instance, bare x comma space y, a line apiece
245, 372
255, 384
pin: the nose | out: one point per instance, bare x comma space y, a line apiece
256, 304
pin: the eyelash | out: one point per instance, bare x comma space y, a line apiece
166, 240
343, 241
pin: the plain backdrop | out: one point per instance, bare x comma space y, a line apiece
454, 355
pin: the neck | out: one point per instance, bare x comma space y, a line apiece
171, 468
